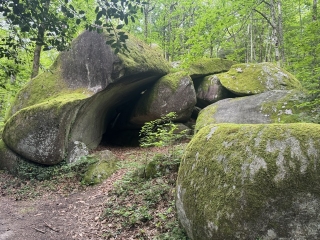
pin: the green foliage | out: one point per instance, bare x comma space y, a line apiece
32, 179
29, 170
162, 164
160, 132
52, 24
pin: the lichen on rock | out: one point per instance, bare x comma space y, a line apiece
251, 181
277, 106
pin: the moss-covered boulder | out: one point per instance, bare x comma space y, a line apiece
210, 90
105, 166
248, 79
40, 132
208, 66
278, 106
172, 93
79, 97
255, 181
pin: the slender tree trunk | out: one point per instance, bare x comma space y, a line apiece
36, 60
280, 33
276, 20
146, 23
300, 20
211, 48
274, 32
147, 9
315, 60
39, 43
251, 39
315, 10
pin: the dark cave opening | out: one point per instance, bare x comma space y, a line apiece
119, 131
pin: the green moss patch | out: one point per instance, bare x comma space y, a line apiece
245, 180
249, 79
277, 106
207, 66
172, 80
47, 88
98, 172
286, 110
105, 166
142, 57
205, 117
41, 130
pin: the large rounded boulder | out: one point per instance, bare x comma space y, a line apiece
210, 90
270, 107
254, 181
248, 79
77, 100
172, 93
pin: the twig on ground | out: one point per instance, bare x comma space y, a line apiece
49, 226
39, 230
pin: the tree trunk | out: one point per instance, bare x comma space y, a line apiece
251, 39
314, 10
147, 9
280, 33
146, 23
276, 20
39, 43
36, 60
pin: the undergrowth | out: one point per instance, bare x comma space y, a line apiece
142, 205
34, 179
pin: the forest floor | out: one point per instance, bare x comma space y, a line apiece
124, 206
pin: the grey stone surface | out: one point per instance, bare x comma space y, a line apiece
210, 90
269, 107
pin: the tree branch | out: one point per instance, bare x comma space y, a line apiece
263, 1
265, 17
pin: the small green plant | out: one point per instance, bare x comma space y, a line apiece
160, 133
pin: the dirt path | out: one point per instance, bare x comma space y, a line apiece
53, 216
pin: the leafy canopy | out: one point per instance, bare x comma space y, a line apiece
53, 23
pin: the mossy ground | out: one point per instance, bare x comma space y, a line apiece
232, 172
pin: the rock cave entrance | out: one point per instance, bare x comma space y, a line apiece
119, 131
